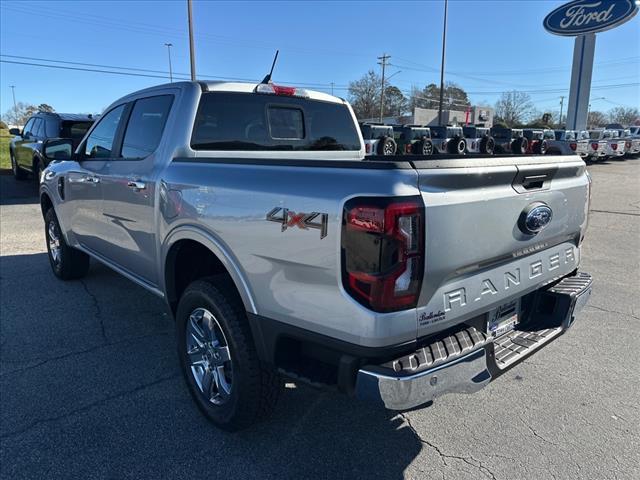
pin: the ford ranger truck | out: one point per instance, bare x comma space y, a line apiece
281, 250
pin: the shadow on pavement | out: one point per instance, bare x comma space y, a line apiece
91, 389
14, 192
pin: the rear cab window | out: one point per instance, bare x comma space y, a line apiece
74, 130
145, 126
252, 121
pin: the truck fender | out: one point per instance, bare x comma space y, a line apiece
217, 247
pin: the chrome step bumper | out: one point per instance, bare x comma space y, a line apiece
467, 360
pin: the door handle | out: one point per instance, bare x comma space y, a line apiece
137, 185
92, 179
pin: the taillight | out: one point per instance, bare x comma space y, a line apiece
407, 148
573, 146
383, 252
594, 145
473, 145
614, 146
367, 148
628, 144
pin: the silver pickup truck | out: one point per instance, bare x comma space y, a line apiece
280, 249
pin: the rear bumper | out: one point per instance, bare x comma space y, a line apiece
466, 360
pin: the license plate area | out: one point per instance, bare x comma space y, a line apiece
503, 319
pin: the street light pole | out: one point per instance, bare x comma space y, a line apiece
169, 45
15, 108
192, 52
561, 105
444, 44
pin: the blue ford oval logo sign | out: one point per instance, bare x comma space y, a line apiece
589, 16
535, 217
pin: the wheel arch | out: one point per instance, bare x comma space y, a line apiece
189, 253
45, 203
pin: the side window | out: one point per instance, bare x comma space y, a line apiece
100, 142
27, 128
36, 130
145, 126
51, 128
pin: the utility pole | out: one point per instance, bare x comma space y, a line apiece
383, 61
561, 105
444, 44
588, 112
192, 52
169, 45
15, 108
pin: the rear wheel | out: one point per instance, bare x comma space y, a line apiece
66, 262
18, 173
387, 146
457, 145
487, 145
425, 147
38, 168
227, 380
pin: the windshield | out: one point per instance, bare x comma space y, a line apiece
418, 133
501, 133
374, 132
438, 132
584, 135
570, 135
452, 132
470, 132
251, 121
549, 134
595, 134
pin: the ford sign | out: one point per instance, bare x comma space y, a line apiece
589, 16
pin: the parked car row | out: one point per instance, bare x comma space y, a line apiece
591, 145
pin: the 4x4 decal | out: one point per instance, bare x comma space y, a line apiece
286, 218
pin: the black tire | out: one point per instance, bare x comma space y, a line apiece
519, 146
255, 388
387, 146
544, 147
38, 168
423, 147
18, 173
487, 145
71, 263
457, 145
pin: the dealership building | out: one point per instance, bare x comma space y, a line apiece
478, 115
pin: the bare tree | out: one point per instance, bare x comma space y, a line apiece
514, 107
455, 98
20, 114
596, 119
624, 115
43, 107
364, 95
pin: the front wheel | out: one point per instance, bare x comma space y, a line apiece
18, 173
227, 380
66, 262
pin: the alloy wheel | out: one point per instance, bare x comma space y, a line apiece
55, 249
209, 357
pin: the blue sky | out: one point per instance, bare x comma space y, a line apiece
492, 46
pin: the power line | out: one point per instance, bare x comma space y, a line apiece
164, 73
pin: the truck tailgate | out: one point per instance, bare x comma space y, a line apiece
478, 255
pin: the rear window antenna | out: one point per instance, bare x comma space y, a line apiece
267, 78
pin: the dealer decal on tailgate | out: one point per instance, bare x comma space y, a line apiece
490, 287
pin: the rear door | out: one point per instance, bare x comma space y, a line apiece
128, 189
83, 189
478, 253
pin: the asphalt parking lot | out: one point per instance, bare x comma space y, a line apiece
90, 386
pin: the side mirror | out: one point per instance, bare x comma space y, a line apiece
15, 131
58, 149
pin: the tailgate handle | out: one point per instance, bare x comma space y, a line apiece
534, 181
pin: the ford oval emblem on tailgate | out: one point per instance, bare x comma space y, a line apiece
535, 217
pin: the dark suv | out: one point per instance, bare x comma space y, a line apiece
413, 139
25, 149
